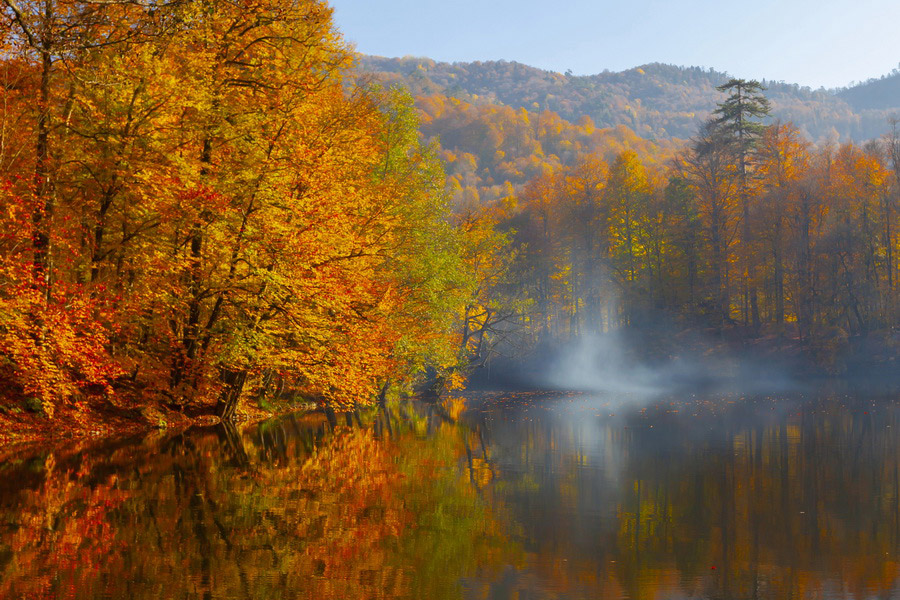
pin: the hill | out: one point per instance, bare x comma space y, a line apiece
656, 101
875, 94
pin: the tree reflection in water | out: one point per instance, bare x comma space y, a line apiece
728, 498
516, 496
284, 509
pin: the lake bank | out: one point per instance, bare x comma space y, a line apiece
22, 428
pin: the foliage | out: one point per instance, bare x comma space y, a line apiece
51, 349
209, 211
204, 204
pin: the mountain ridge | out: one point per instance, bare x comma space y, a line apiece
656, 100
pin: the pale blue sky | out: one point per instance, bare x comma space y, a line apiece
811, 42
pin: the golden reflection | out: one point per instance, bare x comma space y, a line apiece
279, 510
691, 499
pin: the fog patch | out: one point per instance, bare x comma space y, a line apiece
597, 363
619, 362
644, 362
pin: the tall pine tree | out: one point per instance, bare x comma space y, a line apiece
738, 121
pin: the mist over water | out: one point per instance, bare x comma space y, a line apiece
611, 363
647, 362
596, 363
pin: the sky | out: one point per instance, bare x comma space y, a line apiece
815, 43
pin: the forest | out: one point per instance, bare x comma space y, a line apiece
205, 206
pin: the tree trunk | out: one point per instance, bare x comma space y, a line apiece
44, 205
330, 416
229, 399
779, 289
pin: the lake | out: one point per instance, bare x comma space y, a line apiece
525, 495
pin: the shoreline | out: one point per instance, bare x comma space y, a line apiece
98, 426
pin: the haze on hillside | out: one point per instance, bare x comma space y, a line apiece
825, 43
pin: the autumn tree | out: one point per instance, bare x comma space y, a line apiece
495, 301
628, 195
424, 262
584, 214
783, 163
857, 182
891, 202
43, 34
706, 165
685, 238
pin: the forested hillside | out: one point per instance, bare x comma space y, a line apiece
491, 150
657, 101
881, 93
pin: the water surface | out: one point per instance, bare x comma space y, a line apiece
508, 495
